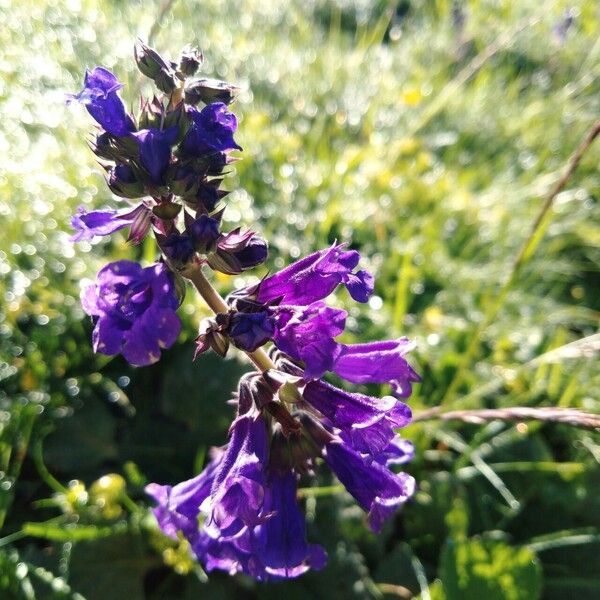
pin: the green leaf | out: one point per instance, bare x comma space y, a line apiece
478, 568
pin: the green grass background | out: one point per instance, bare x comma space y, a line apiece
428, 133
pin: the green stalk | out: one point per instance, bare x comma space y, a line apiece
218, 305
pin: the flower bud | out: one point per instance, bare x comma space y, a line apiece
210, 336
209, 91
190, 61
254, 253
122, 181
209, 195
249, 331
140, 225
152, 114
183, 181
224, 262
166, 210
152, 65
177, 117
314, 430
205, 233
103, 147
253, 392
178, 249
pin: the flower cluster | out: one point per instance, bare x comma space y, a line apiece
166, 164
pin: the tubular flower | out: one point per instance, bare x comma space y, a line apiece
375, 488
99, 95
378, 362
367, 423
307, 334
315, 277
95, 223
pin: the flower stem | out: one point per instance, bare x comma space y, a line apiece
570, 416
218, 305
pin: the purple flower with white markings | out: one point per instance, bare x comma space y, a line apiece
99, 95
315, 277
134, 311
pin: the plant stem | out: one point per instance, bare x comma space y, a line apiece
570, 416
218, 305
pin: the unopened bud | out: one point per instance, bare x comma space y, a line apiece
210, 337
103, 147
190, 61
123, 182
178, 249
224, 263
205, 233
166, 210
148, 60
183, 181
152, 114
209, 91
154, 66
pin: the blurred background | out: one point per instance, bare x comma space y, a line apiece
429, 133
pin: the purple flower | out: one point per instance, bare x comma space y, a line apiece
378, 491
280, 542
99, 95
212, 130
178, 248
134, 311
238, 251
155, 150
316, 276
367, 423
306, 334
254, 253
238, 489
179, 506
378, 362
89, 225
249, 331
398, 452
231, 554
